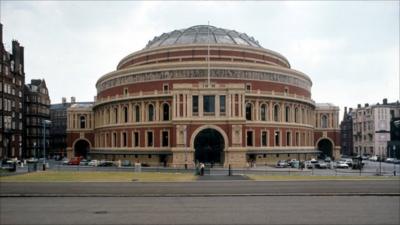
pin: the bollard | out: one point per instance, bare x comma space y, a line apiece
229, 170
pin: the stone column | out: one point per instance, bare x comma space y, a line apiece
200, 105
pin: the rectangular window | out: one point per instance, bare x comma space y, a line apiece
222, 104
209, 104
165, 87
288, 137
124, 140
165, 139
297, 138
114, 140
277, 138
136, 139
264, 140
195, 104
249, 138
149, 139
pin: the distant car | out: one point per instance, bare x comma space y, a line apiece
373, 158
106, 164
313, 160
365, 157
328, 159
126, 163
342, 165
83, 162
92, 163
308, 165
321, 165
349, 162
390, 160
396, 161
74, 161
281, 164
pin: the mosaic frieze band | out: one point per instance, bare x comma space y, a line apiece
200, 73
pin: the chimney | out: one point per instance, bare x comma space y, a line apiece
345, 110
64, 100
73, 100
385, 101
358, 106
350, 110
366, 105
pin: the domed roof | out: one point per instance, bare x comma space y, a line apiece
202, 34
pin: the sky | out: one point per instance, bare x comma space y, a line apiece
350, 50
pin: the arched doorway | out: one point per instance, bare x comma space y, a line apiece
209, 146
81, 148
326, 148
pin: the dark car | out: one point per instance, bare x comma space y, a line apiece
106, 164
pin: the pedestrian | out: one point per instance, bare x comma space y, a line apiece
201, 169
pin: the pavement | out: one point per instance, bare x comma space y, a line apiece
203, 188
232, 210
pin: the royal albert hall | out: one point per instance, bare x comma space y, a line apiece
203, 94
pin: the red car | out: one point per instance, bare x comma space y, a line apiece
74, 161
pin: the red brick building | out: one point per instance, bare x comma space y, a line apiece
203, 94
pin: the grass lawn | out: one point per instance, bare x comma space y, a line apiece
68, 176
300, 178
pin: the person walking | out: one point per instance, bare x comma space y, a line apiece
201, 169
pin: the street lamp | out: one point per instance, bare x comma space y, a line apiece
44, 142
184, 142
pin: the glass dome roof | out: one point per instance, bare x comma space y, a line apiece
203, 34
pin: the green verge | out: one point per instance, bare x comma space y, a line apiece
305, 178
68, 176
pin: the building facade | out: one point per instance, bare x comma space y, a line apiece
346, 133
203, 94
37, 111
58, 129
11, 105
371, 127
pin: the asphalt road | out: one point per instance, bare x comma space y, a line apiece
339, 210
202, 188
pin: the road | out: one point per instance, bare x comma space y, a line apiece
343, 187
339, 210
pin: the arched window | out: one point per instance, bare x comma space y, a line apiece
125, 114
248, 111
303, 116
296, 115
263, 112
82, 120
276, 113
165, 112
150, 112
324, 121
137, 113
287, 114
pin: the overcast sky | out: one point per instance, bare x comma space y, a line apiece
350, 50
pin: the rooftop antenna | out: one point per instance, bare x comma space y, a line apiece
208, 52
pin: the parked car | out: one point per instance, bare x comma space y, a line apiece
93, 163
281, 164
390, 160
126, 163
321, 165
65, 161
328, 159
294, 163
83, 162
373, 158
342, 165
106, 164
349, 162
313, 160
308, 165
74, 161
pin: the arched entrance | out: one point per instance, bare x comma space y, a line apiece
81, 148
209, 146
326, 148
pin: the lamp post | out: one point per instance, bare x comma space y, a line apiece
184, 142
44, 142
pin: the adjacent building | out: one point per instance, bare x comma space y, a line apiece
37, 111
203, 94
371, 127
58, 129
346, 132
11, 106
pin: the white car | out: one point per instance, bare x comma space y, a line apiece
342, 164
373, 158
93, 163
